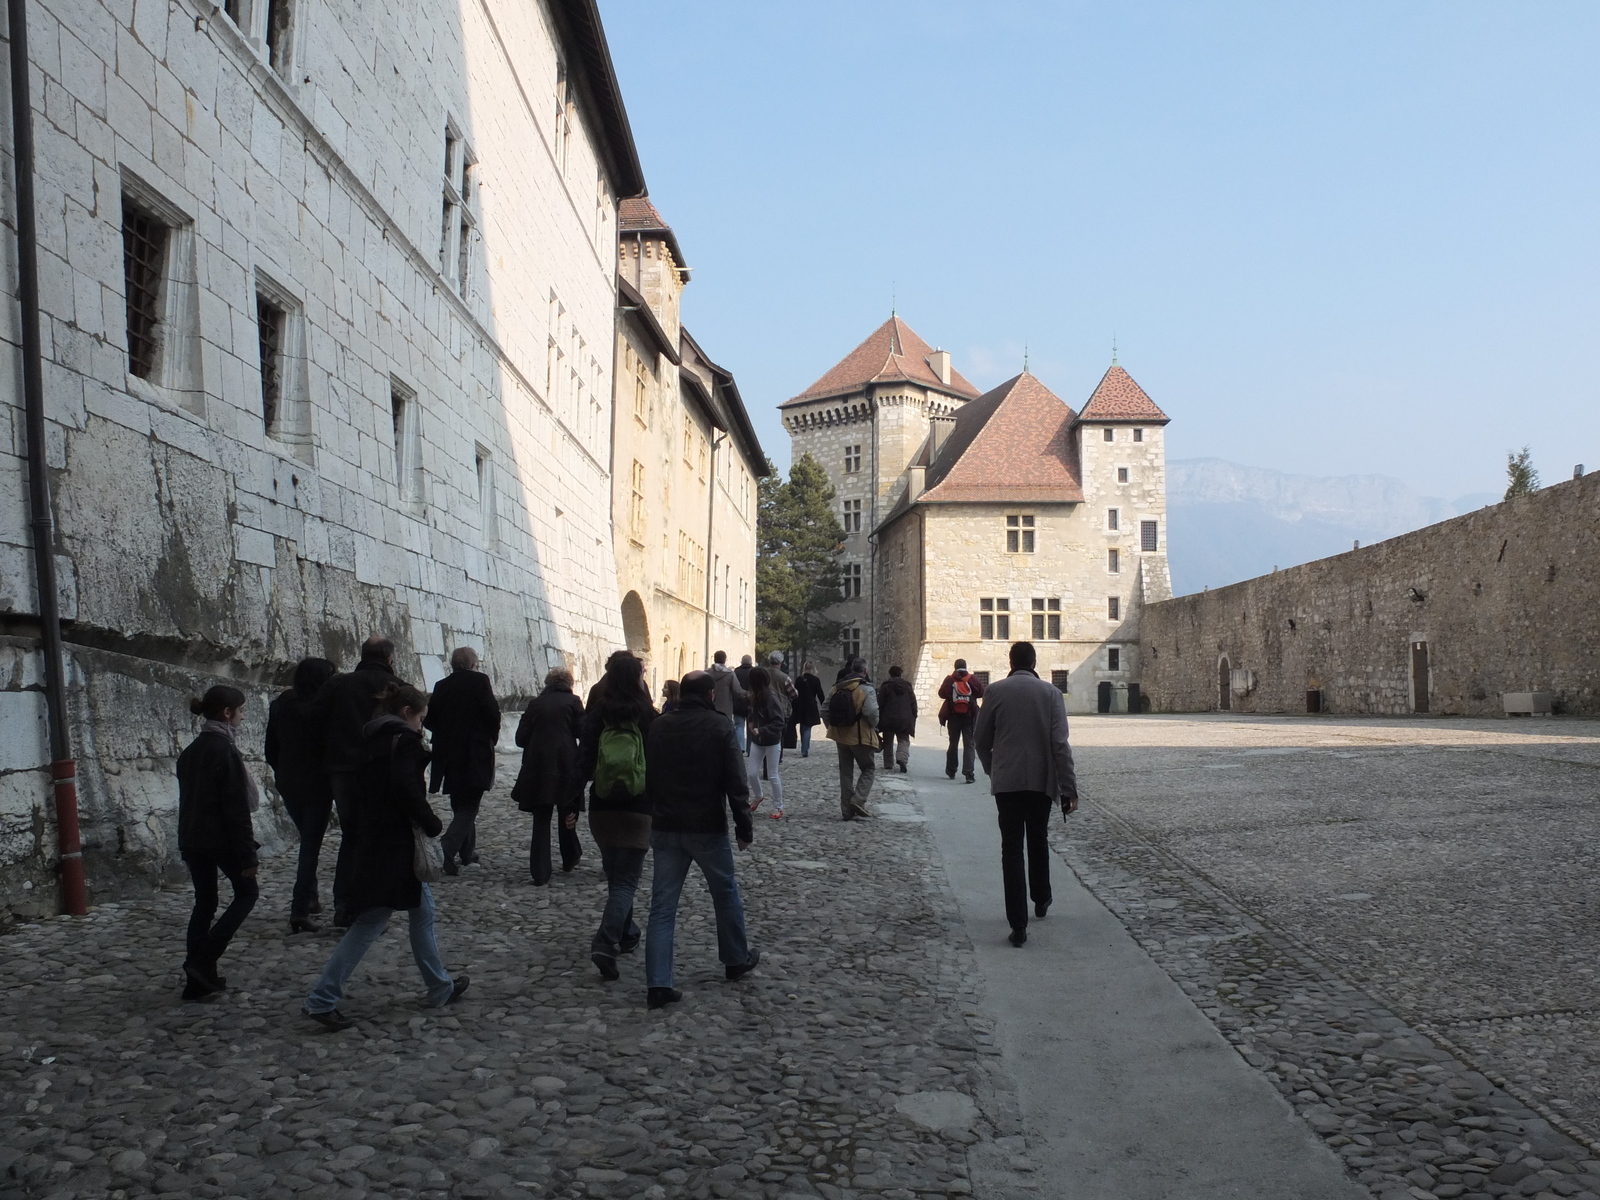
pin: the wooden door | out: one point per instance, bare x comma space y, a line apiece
1419, 677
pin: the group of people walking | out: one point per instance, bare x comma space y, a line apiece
661, 783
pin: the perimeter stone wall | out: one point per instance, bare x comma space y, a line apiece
1504, 598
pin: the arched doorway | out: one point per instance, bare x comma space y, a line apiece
1225, 685
635, 625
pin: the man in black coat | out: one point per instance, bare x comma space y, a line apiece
345, 704
897, 719
695, 778
464, 718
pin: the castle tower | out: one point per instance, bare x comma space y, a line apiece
884, 407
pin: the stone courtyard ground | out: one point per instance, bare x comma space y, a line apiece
1390, 920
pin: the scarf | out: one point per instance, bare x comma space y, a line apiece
228, 731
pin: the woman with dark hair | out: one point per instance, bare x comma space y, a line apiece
669, 695
216, 796
611, 753
549, 782
295, 752
765, 740
391, 797
807, 712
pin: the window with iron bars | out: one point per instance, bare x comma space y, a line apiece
271, 325
1148, 539
144, 268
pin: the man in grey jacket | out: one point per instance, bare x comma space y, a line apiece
1022, 743
725, 689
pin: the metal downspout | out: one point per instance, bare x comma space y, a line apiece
63, 770
711, 529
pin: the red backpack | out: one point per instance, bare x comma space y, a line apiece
961, 695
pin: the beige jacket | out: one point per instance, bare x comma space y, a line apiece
864, 732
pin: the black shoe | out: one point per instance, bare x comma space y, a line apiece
463, 982
1018, 936
969, 779
661, 997
902, 768
204, 978
333, 1020
1041, 907
629, 945
450, 867
303, 925
194, 991
568, 868
744, 968
949, 774
316, 907
607, 966
341, 919
471, 860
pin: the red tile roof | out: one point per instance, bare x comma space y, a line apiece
1119, 398
1013, 445
639, 215
893, 352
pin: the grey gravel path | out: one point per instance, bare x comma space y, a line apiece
851, 1063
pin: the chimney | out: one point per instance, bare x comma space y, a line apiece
916, 481
1577, 471
940, 362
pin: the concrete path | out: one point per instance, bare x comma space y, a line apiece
1127, 1091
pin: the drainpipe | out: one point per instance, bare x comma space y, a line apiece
711, 529
63, 770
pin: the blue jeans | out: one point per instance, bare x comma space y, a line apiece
713, 852
622, 868
739, 732
805, 741
365, 929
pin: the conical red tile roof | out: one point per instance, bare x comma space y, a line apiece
1012, 445
891, 352
1119, 398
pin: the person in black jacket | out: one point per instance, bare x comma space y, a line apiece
897, 719
765, 727
391, 796
549, 782
695, 779
612, 747
464, 718
294, 751
216, 796
807, 711
346, 703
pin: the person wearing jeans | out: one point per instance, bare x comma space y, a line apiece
695, 780
391, 798
764, 727
1022, 743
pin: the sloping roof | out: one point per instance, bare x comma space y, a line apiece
638, 215
733, 418
1119, 398
891, 353
583, 38
1011, 445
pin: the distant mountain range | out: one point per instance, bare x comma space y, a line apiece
1228, 522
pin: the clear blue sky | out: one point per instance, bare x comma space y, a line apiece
1329, 238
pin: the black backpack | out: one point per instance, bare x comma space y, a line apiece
842, 707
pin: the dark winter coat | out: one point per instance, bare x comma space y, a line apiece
464, 718
897, 706
391, 796
346, 703
214, 801
741, 699
766, 720
694, 773
295, 750
589, 754
548, 735
808, 704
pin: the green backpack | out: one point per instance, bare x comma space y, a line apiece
620, 763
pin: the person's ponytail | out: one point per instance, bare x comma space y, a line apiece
216, 701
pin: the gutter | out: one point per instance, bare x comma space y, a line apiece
63, 768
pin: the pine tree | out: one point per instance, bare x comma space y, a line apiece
798, 576
1523, 479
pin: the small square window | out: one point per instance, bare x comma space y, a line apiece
1061, 679
1138, 435
1113, 518
1019, 534
1114, 659
1113, 561
1122, 474
1114, 608
1111, 435
982, 677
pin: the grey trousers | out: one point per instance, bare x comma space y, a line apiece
853, 789
896, 748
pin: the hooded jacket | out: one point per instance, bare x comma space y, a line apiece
897, 706
727, 690
863, 731
694, 774
391, 796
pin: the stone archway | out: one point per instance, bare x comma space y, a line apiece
635, 625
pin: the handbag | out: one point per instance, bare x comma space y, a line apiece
427, 856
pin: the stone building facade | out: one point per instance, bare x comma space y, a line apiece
330, 303
1444, 620
686, 460
994, 518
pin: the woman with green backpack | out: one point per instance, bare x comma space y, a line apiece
611, 753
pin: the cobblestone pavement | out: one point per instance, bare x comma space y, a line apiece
1392, 919
851, 1063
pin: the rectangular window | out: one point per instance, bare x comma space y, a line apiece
1053, 620
144, 272
1113, 518
280, 26
852, 580
1122, 474
636, 504
1114, 659
488, 508
1110, 435
994, 618
270, 327
1046, 619
982, 677
1138, 435
1113, 608
407, 442
1114, 561
852, 459
851, 643
852, 516
1062, 680
641, 394
1019, 535
1147, 536
458, 224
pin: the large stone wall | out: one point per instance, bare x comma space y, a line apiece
197, 543
1504, 599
